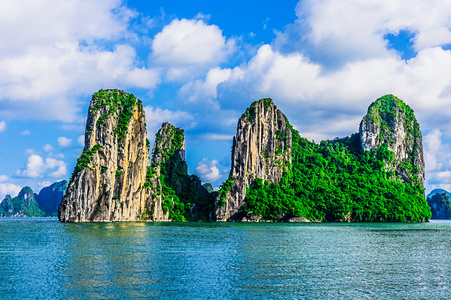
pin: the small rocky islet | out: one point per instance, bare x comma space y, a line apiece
374, 175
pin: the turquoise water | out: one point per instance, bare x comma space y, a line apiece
41, 258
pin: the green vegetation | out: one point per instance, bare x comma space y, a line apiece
180, 190
25, 203
118, 173
224, 189
84, 159
250, 111
336, 181
109, 102
384, 112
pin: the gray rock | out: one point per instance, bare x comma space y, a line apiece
107, 184
391, 121
261, 148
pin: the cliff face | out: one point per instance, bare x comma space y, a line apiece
278, 175
391, 121
107, 183
169, 143
49, 198
440, 206
261, 149
182, 196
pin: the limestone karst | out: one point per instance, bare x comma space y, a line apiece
276, 174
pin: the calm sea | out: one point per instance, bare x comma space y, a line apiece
41, 258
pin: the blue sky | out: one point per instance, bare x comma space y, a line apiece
199, 64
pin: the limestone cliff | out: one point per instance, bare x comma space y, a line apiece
390, 121
261, 149
107, 183
182, 197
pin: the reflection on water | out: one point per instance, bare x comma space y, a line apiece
42, 258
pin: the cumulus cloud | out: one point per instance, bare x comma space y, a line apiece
337, 32
37, 167
205, 90
49, 62
189, 47
64, 141
44, 184
47, 148
8, 189
437, 160
2, 126
208, 171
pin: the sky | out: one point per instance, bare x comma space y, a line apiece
198, 64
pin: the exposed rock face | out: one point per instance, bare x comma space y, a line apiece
107, 183
49, 198
390, 121
169, 142
440, 206
182, 197
261, 148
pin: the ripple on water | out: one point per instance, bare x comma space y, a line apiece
42, 258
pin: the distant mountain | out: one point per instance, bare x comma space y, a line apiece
49, 198
23, 205
29, 204
438, 191
440, 206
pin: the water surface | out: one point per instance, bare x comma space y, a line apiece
41, 258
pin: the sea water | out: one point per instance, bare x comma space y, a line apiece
41, 258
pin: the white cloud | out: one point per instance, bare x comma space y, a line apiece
8, 189
437, 155
49, 62
64, 141
353, 30
61, 167
189, 47
25, 132
208, 171
217, 137
2, 126
70, 21
199, 90
47, 148
44, 184
156, 116
81, 140
37, 167
3, 178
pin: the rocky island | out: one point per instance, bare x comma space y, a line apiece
29, 204
376, 174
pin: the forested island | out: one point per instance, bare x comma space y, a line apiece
374, 175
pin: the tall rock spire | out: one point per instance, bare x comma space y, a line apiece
261, 149
392, 122
107, 183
